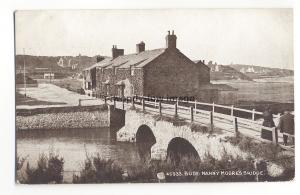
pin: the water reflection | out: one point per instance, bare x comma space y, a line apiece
75, 144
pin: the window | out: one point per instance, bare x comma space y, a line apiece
115, 70
131, 71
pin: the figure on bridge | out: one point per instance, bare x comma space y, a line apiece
286, 125
268, 122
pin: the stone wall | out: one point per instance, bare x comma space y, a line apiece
116, 117
114, 76
63, 117
171, 74
60, 109
204, 73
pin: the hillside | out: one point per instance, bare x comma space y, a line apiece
54, 63
256, 72
221, 72
244, 72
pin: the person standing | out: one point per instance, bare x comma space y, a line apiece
268, 122
286, 125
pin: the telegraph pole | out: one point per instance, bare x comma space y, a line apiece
24, 70
50, 72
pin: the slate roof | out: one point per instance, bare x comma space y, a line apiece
137, 60
108, 59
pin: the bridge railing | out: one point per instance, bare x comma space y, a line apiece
192, 110
213, 106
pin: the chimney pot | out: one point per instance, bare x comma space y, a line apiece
117, 52
171, 40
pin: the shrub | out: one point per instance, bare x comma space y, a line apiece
19, 162
199, 128
148, 171
98, 170
207, 164
141, 173
175, 120
49, 170
268, 151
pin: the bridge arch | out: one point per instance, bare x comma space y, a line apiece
145, 139
180, 150
145, 134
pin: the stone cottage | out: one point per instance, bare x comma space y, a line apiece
164, 72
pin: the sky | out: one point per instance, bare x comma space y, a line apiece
262, 37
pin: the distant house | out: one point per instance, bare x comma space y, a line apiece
49, 75
39, 72
67, 62
164, 72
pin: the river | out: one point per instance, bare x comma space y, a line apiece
73, 145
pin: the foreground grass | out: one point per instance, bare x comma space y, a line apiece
98, 170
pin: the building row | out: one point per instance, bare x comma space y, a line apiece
163, 72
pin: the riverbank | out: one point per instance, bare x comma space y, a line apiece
96, 169
63, 117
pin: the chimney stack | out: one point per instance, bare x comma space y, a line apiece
140, 47
116, 52
171, 40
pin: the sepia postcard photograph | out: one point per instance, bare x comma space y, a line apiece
154, 95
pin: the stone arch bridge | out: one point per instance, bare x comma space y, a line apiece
163, 134
144, 120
